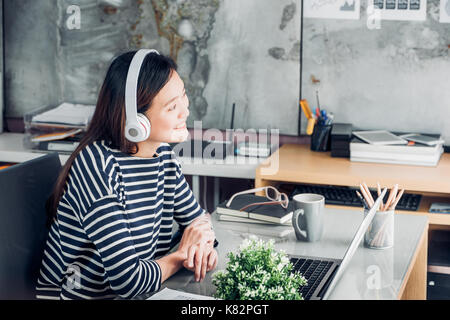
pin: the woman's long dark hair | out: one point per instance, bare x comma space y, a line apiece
108, 121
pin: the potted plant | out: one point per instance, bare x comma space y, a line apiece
258, 272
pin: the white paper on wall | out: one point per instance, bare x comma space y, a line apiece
332, 9
445, 11
406, 10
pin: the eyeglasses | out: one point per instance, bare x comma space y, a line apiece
272, 194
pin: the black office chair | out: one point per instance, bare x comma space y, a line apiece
24, 189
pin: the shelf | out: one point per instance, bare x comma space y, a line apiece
298, 164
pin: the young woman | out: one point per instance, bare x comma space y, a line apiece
115, 201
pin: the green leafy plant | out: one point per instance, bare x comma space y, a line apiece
258, 272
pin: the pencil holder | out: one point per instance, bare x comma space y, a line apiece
380, 234
320, 139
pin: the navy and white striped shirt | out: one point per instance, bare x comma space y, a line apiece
113, 220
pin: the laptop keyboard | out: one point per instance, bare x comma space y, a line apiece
346, 196
313, 271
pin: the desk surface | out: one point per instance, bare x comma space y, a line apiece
340, 227
12, 150
230, 167
297, 163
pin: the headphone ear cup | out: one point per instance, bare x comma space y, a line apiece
143, 120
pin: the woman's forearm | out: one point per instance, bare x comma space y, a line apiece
170, 264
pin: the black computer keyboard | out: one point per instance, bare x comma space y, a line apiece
313, 271
346, 196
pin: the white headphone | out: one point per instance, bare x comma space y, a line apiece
137, 126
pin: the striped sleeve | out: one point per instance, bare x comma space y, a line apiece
186, 207
87, 179
106, 226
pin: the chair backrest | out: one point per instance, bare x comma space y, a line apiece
24, 189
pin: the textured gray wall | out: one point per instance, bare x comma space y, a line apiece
107, 28
32, 77
219, 47
47, 63
254, 57
395, 78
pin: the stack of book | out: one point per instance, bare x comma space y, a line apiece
257, 218
259, 215
57, 128
416, 154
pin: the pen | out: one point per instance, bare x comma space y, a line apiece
324, 117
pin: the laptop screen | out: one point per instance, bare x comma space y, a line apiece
355, 243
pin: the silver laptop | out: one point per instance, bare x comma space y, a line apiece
323, 273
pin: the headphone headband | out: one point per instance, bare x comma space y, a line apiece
133, 127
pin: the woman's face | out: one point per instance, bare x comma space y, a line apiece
169, 111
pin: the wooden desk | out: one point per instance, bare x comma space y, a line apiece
297, 164
401, 270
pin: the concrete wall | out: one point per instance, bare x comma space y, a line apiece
32, 77
394, 78
55, 63
106, 29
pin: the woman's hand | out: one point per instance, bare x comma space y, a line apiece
197, 247
204, 258
199, 232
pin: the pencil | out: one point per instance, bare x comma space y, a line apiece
364, 202
392, 196
364, 193
379, 193
372, 202
392, 207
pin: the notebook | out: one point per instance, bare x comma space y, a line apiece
227, 217
379, 137
277, 231
272, 213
